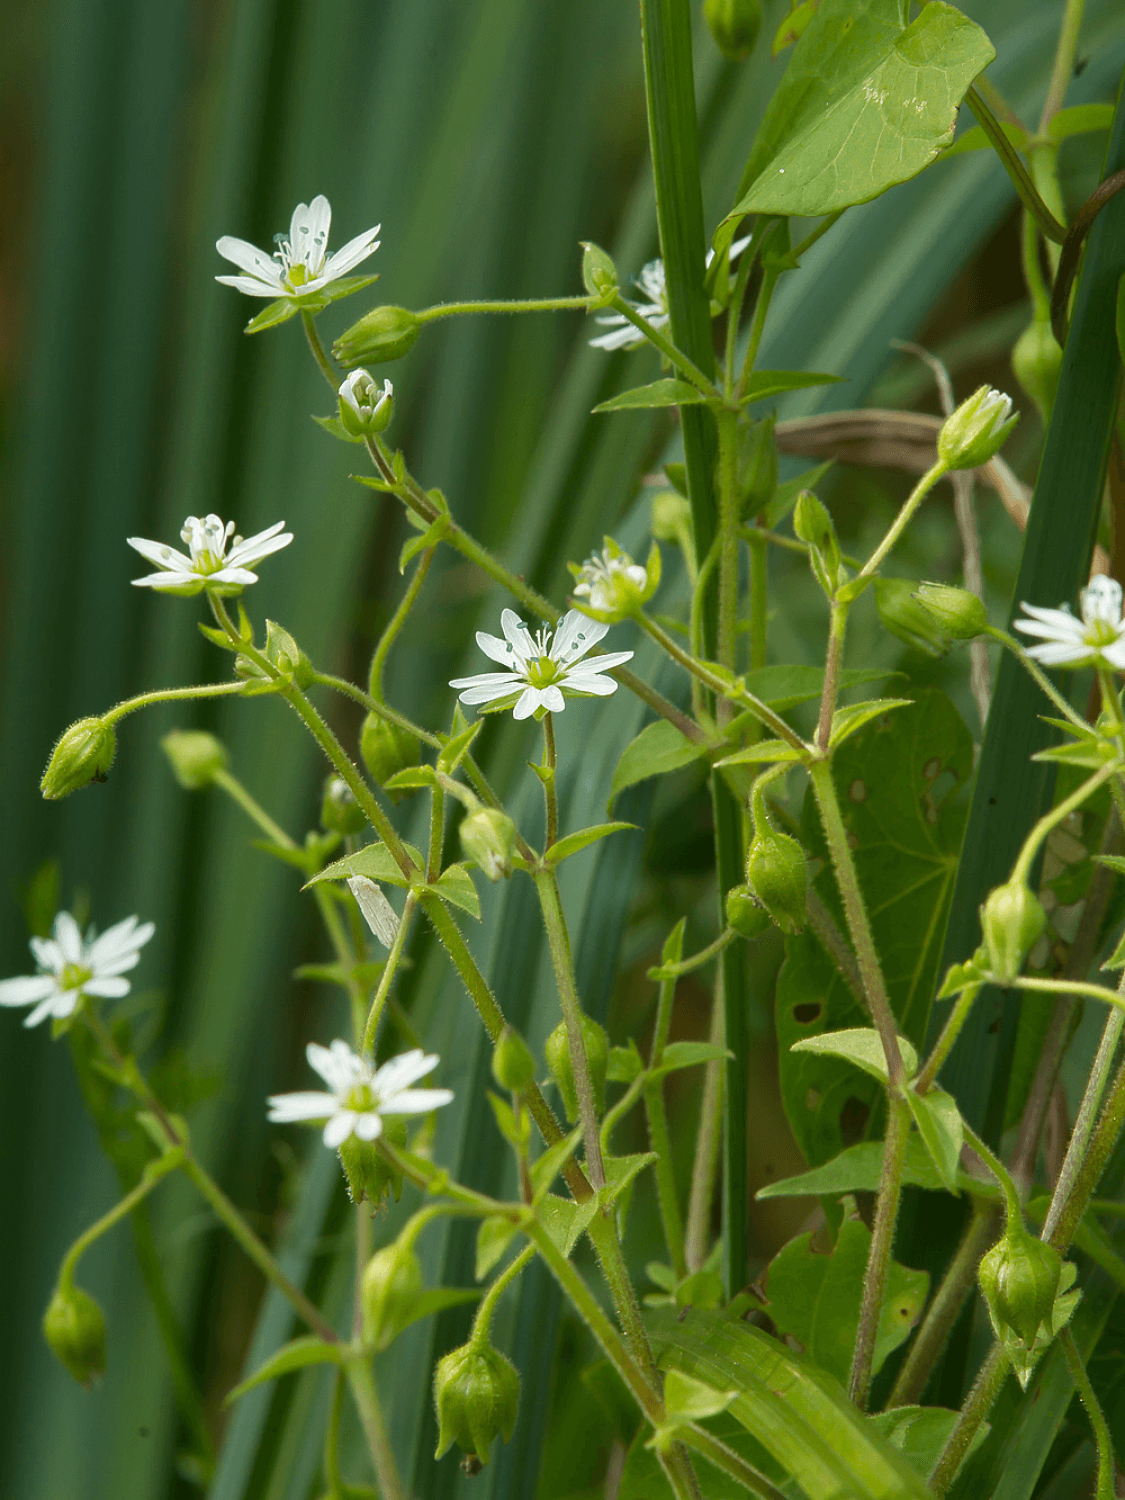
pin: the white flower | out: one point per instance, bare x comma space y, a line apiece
610, 579
210, 565
359, 1093
71, 966
652, 283
541, 668
1099, 636
301, 265
365, 406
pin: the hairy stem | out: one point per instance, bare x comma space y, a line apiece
396, 622
366, 1397
882, 1243
1106, 1489
980, 1401
704, 1171
667, 1197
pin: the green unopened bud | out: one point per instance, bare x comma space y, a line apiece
365, 406
757, 466
1020, 1280
477, 1395
776, 871
83, 753
285, 654
670, 516
597, 1056
513, 1065
613, 585
744, 914
813, 526
488, 837
74, 1326
386, 333
339, 811
599, 274
1012, 921
976, 430
195, 757
958, 613
905, 618
734, 25
369, 1173
385, 748
1037, 363
391, 1284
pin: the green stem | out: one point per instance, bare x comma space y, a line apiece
1057, 815
1032, 271
949, 1034
727, 423
832, 665
863, 940
366, 1397
675, 357
659, 1140
396, 622
374, 706
770, 278
1000, 1172
903, 519
550, 792
716, 1452
1106, 1488
1102, 1142
811, 238
1066, 50
332, 1440
1021, 180
696, 620
528, 304
320, 354
386, 978
558, 939
482, 1323
945, 1308
153, 1173
1039, 677
980, 1401
362, 1252
697, 960
882, 1243
1079, 1144
705, 1164
172, 695
759, 598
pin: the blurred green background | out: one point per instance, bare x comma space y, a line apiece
488, 137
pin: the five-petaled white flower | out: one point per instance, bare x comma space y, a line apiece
360, 1094
1067, 641
71, 966
210, 565
300, 267
542, 668
655, 309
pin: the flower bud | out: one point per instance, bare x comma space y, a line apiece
74, 1326
1012, 922
613, 585
488, 837
1020, 1280
339, 811
901, 614
365, 406
757, 466
734, 25
391, 1284
744, 914
83, 753
385, 748
976, 430
599, 274
597, 1056
386, 333
195, 757
959, 614
477, 1395
670, 516
284, 653
1037, 363
369, 1173
513, 1066
776, 872
813, 526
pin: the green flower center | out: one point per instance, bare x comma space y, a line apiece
542, 672
297, 274
360, 1098
74, 976
1101, 633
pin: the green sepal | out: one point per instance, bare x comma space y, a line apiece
336, 429
273, 314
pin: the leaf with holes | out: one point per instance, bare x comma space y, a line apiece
816, 1298
897, 781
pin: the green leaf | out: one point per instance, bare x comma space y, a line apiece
428, 538
785, 496
859, 1045
493, 1238
1119, 318
816, 1298
659, 393
346, 285
940, 1125
564, 1220
574, 843
920, 1432
276, 312
435, 1300
857, 1169
411, 779
620, 1172
798, 1413
307, 1350
847, 721
625, 1063
455, 749
547, 1167
375, 861
689, 1400
687, 1055
765, 383
658, 749
1080, 119
336, 428
455, 885
865, 103
365, 974
974, 139
763, 752
784, 687
897, 783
